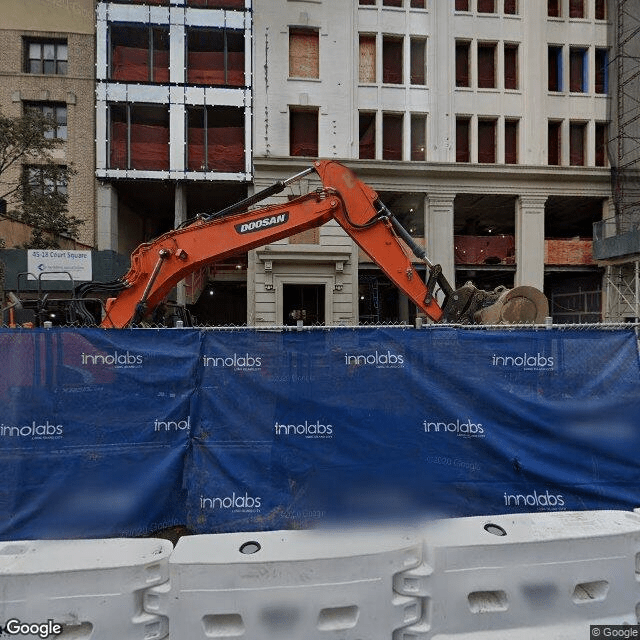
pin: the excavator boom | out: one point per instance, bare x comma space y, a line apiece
157, 266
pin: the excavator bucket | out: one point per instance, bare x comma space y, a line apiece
524, 304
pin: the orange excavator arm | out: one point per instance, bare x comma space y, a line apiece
157, 266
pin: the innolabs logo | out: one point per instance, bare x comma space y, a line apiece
233, 502
117, 359
36, 430
461, 428
172, 425
380, 360
238, 362
546, 500
306, 429
526, 361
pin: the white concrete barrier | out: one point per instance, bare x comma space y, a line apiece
91, 588
288, 584
526, 576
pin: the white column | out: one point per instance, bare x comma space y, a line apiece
530, 241
439, 228
107, 223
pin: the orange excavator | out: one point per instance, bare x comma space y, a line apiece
157, 266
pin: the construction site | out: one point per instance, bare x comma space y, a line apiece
308, 375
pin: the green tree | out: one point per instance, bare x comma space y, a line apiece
32, 184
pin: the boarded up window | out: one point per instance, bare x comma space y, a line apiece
310, 236
555, 68
486, 6
487, 141
510, 7
553, 8
510, 66
367, 63
554, 143
487, 65
576, 144
392, 136
367, 135
577, 70
462, 64
462, 140
601, 73
511, 141
601, 144
576, 8
418, 137
418, 60
391, 60
303, 132
601, 10
304, 59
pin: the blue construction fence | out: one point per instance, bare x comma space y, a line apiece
124, 432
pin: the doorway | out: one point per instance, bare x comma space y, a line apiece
303, 302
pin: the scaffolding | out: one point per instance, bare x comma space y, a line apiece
617, 239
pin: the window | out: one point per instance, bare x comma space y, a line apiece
210, 4
601, 144
139, 137
511, 141
45, 181
56, 112
215, 57
367, 125
553, 8
486, 65
462, 139
367, 70
555, 68
367, 2
462, 64
418, 4
139, 54
392, 3
487, 141
486, 6
602, 71
392, 60
576, 9
510, 66
577, 70
304, 53
418, 60
462, 5
554, 142
47, 57
303, 132
577, 132
418, 136
510, 7
392, 136
215, 139
601, 10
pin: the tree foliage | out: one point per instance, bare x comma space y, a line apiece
32, 183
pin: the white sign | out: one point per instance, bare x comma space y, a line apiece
42, 262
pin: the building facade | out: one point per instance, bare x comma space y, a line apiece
47, 63
482, 123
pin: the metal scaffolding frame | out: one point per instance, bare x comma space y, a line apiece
621, 280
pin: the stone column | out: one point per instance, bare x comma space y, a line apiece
530, 241
438, 225
180, 215
107, 223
